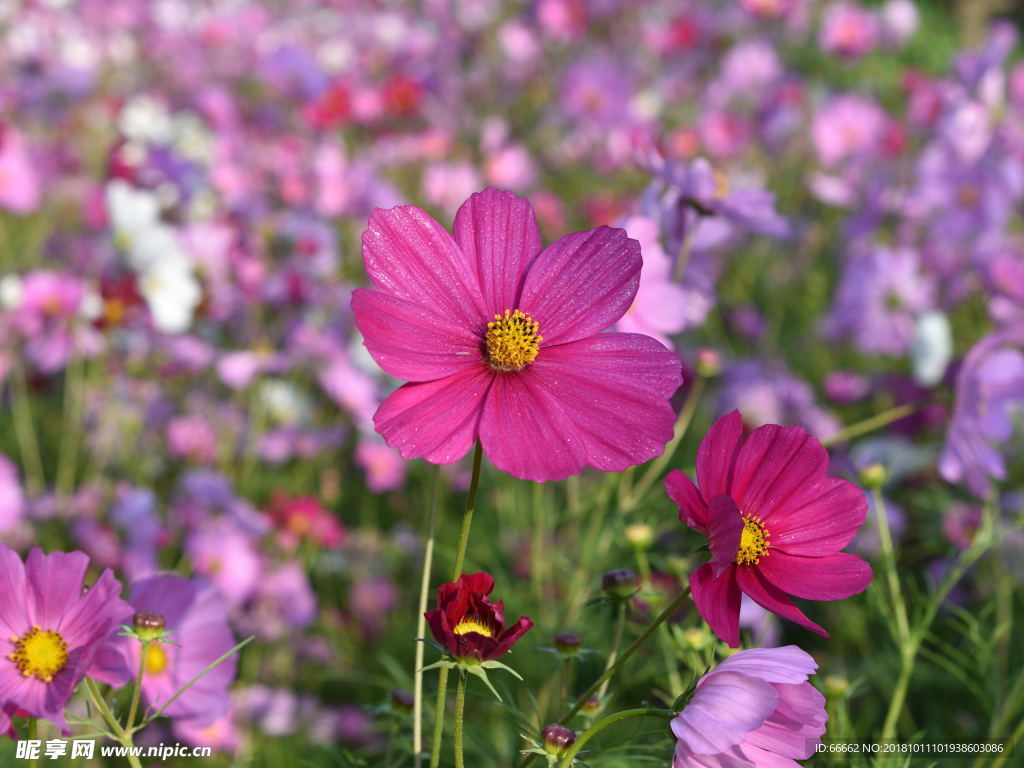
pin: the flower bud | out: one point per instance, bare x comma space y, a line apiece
568, 643
639, 536
873, 476
401, 700
148, 625
836, 685
621, 583
558, 738
708, 362
592, 707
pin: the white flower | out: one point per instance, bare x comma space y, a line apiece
171, 290
932, 348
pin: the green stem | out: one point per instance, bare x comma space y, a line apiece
633, 648
467, 516
137, 692
460, 712
870, 425
122, 736
620, 625
658, 465
33, 763
460, 558
421, 623
220, 659
601, 725
442, 688
1017, 736
899, 606
24, 429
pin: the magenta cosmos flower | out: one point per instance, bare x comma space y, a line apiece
501, 340
754, 710
775, 524
53, 634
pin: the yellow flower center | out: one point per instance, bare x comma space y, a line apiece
512, 340
473, 625
721, 184
156, 659
753, 541
39, 652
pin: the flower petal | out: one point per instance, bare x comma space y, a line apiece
718, 602
788, 664
824, 525
412, 342
724, 533
513, 633
435, 420
409, 255
14, 619
497, 231
771, 598
525, 431
778, 469
55, 580
817, 578
692, 509
612, 390
724, 709
716, 456
581, 284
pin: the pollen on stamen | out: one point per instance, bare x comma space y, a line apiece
512, 340
754, 541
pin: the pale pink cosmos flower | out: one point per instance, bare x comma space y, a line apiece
754, 710
849, 30
661, 308
501, 341
19, 183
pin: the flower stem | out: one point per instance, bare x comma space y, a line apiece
633, 648
467, 516
460, 711
658, 465
620, 625
137, 692
421, 623
33, 763
871, 424
899, 607
460, 558
601, 725
122, 736
24, 429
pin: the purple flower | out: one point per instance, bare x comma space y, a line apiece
765, 392
53, 634
880, 296
989, 398
754, 710
197, 611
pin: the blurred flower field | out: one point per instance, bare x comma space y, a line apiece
493, 383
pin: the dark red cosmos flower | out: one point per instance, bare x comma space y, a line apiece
468, 624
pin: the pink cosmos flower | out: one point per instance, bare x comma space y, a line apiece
53, 634
775, 524
501, 340
754, 710
19, 183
